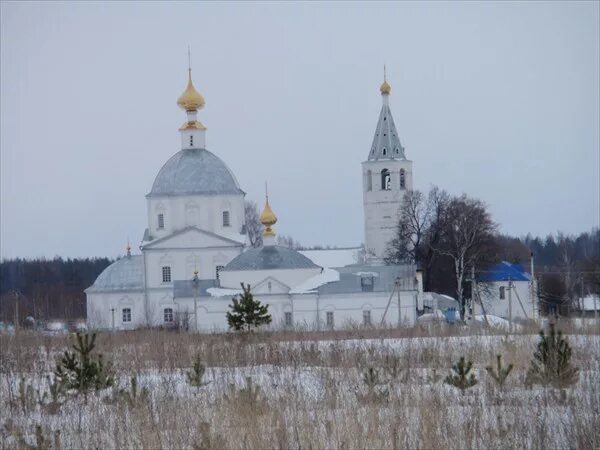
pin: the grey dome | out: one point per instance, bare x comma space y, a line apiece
126, 274
194, 171
270, 257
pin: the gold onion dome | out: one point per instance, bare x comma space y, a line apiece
385, 88
268, 219
190, 100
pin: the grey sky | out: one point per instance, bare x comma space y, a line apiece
498, 100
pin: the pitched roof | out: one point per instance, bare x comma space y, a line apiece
386, 138
382, 277
504, 271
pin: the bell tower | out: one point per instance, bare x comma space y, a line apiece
387, 175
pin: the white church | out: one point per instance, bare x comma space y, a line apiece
195, 252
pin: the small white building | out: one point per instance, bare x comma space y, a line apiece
508, 291
194, 251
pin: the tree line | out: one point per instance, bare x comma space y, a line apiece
47, 288
450, 236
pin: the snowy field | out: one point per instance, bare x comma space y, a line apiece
282, 391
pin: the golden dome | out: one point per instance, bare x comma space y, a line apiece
385, 88
268, 219
190, 100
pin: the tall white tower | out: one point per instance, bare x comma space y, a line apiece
387, 175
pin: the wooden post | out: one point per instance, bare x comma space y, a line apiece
510, 317
16, 312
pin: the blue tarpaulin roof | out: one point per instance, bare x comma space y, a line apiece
503, 272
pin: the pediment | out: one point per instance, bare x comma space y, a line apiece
276, 287
191, 237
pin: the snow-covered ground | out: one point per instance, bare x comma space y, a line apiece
309, 394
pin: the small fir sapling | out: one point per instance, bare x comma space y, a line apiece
195, 375
82, 371
375, 393
247, 313
461, 377
501, 373
551, 363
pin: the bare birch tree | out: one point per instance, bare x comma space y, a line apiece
253, 225
467, 238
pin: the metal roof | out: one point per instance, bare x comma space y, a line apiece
187, 288
382, 277
126, 274
503, 272
270, 257
194, 171
386, 137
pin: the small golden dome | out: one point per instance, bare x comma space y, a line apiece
268, 219
385, 88
190, 100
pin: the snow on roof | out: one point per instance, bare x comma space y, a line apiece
223, 292
338, 257
310, 285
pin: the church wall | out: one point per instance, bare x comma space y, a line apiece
291, 278
203, 211
100, 314
183, 262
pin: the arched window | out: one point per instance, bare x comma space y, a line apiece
369, 180
402, 179
168, 316
384, 152
191, 140
226, 222
386, 182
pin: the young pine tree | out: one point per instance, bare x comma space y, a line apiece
551, 364
247, 313
82, 371
461, 378
501, 373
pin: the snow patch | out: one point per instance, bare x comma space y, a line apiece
223, 292
310, 285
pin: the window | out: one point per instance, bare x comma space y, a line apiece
329, 317
191, 141
367, 317
366, 283
369, 181
166, 274
288, 319
225, 218
386, 181
161, 221
502, 293
217, 270
402, 179
168, 315
126, 314
384, 152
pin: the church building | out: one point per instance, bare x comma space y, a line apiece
195, 252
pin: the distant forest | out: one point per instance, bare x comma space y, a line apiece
566, 267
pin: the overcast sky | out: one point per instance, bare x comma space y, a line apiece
497, 100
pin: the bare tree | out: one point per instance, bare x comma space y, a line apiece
467, 238
253, 225
414, 221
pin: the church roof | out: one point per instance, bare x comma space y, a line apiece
194, 171
268, 258
386, 143
125, 274
382, 279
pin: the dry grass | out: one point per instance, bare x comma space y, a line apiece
308, 392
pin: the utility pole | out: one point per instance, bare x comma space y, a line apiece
112, 310
510, 317
195, 282
532, 290
473, 290
16, 311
